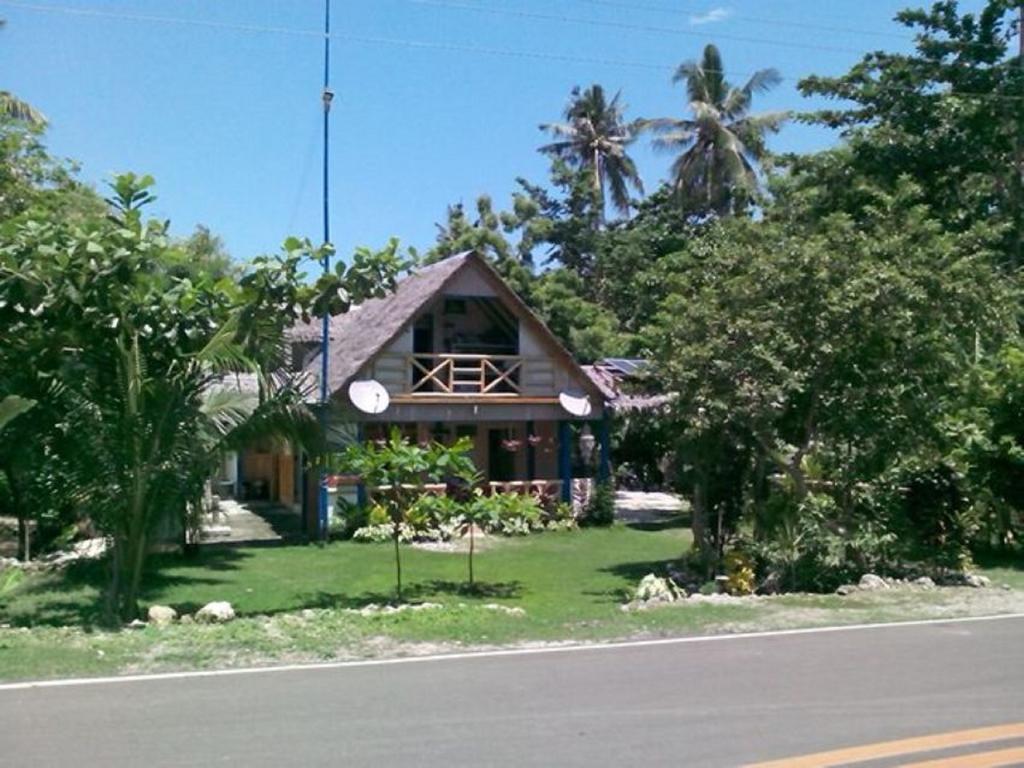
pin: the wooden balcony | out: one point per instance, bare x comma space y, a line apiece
465, 375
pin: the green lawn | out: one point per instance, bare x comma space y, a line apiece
293, 603
555, 577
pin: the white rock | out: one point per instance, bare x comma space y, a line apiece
215, 613
90, 549
924, 582
847, 589
506, 609
717, 598
161, 615
976, 581
653, 589
870, 581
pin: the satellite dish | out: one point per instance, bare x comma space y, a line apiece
575, 403
369, 396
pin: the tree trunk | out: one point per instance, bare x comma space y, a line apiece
134, 585
398, 564
699, 519
24, 531
471, 541
24, 538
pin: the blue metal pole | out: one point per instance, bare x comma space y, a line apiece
325, 339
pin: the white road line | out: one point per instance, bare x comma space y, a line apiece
494, 653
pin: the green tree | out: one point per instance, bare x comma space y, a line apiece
721, 145
205, 252
595, 138
949, 115
136, 356
826, 355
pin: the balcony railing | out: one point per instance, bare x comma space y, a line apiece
461, 374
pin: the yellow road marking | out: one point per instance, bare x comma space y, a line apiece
900, 747
998, 757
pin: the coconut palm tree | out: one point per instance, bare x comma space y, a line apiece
721, 145
13, 107
594, 138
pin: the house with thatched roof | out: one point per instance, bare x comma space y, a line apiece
458, 354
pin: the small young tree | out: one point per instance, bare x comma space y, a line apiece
479, 511
398, 472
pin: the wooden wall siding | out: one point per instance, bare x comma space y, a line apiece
261, 467
538, 377
285, 480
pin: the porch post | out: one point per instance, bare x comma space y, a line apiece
604, 469
565, 459
361, 488
531, 454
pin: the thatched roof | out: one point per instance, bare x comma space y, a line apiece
362, 333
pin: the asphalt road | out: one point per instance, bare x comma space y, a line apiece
723, 702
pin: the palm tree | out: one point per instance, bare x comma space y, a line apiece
16, 109
723, 143
594, 138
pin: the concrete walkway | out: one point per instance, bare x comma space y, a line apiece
647, 506
238, 522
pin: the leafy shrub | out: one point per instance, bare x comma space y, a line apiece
739, 568
600, 508
347, 519
514, 514
377, 534
808, 550
938, 522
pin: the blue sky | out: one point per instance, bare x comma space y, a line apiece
228, 120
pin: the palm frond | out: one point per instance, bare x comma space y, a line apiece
16, 109
12, 406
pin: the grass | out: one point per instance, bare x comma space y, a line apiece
299, 603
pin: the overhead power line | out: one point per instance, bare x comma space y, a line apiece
677, 11
425, 45
627, 25
818, 27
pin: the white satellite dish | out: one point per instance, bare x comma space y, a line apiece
575, 403
369, 396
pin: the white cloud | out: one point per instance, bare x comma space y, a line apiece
711, 17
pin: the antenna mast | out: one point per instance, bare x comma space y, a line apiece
327, 95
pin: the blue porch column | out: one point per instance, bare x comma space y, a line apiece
531, 454
361, 488
565, 459
604, 436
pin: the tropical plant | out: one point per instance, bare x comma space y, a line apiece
600, 509
398, 472
134, 366
595, 137
720, 146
